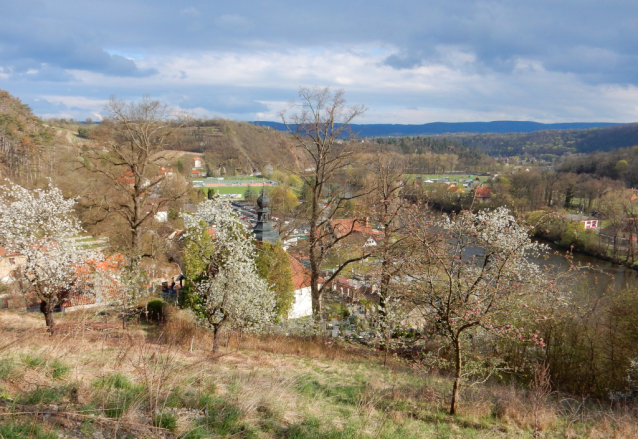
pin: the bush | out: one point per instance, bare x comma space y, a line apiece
84, 133
155, 309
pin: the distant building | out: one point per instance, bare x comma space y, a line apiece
356, 228
483, 194
198, 163
9, 261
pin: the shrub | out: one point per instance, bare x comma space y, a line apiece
155, 309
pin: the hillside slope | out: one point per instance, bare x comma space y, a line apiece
22, 135
94, 380
239, 146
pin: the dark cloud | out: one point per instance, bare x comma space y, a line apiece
591, 43
77, 34
44, 73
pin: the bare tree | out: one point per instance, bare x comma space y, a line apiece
321, 129
388, 211
134, 136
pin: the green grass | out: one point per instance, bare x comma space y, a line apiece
118, 395
44, 395
119, 402
56, 368
59, 369
166, 420
15, 430
33, 361
6, 367
114, 381
227, 190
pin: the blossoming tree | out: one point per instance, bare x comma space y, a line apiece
229, 289
39, 224
473, 277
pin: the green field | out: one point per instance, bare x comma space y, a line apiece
237, 178
452, 177
229, 190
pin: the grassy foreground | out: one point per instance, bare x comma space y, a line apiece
94, 380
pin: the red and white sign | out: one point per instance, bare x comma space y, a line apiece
591, 224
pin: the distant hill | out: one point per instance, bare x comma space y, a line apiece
551, 142
506, 126
509, 138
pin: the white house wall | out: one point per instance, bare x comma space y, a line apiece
302, 306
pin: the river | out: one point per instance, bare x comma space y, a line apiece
603, 274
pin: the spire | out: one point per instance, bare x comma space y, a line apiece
263, 229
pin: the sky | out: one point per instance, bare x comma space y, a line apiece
407, 61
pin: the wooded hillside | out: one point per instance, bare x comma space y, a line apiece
22, 136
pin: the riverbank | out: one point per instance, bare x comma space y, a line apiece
571, 236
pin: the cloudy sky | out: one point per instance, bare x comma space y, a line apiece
408, 61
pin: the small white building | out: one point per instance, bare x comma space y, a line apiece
198, 163
302, 304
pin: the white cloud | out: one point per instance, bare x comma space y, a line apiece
453, 87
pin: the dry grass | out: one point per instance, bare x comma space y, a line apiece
163, 381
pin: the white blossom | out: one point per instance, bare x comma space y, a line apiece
39, 224
232, 290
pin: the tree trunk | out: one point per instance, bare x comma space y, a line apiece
457, 378
217, 330
46, 307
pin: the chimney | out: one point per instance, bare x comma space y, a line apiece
365, 222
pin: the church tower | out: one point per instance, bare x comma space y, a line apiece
263, 229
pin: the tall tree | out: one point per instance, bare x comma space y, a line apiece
393, 250
133, 137
320, 127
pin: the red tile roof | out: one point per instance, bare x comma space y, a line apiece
352, 225
4, 252
483, 191
300, 274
